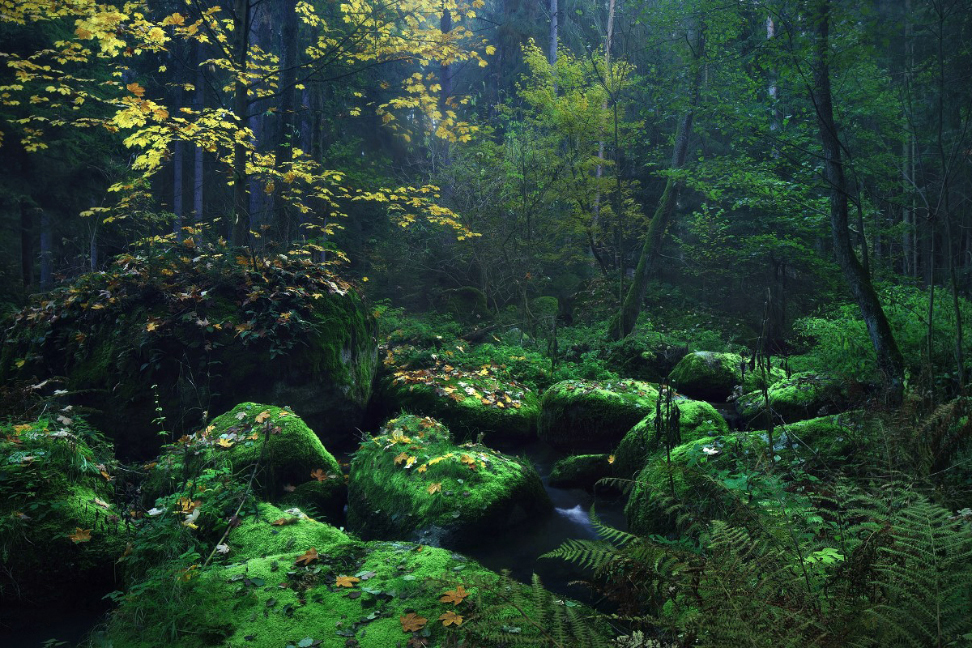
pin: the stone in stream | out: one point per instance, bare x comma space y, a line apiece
712, 376
413, 482
582, 416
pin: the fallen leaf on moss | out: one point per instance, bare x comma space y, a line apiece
411, 622
611, 459
224, 443
319, 475
423, 468
435, 488
401, 457
263, 416
80, 535
307, 558
240, 416
346, 581
455, 596
450, 618
285, 521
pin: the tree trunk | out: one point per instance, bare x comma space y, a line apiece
889, 357
241, 218
623, 323
26, 245
286, 138
599, 172
177, 147
46, 251
554, 32
200, 103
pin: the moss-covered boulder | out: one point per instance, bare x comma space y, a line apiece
707, 375
696, 419
645, 356
197, 330
60, 530
582, 416
411, 481
471, 401
801, 396
309, 584
289, 459
580, 471
718, 477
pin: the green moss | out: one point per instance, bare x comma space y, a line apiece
471, 402
697, 419
51, 484
580, 471
589, 416
276, 440
412, 480
707, 375
802, 396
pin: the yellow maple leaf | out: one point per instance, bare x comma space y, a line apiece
307, 557
263, 416
401, 457
80, 535
224, 443
611, 459
423, 468
346, 581
435, 487
450, 618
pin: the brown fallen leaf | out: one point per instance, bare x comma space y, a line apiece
346, 581
455, 596
308, 557
435, 487
319, 475
80, 535
450, 618
411, 622
262, 416
284, 521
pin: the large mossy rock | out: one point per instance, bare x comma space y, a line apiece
712, 477
290, 461
472, 402
578, 416
712, 376
196, 331
310, 584
412, 481
801, 396
60, 531
696, 419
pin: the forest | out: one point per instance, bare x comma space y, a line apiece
485, 323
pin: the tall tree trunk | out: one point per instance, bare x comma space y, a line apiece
286, 137
177, 147
241, 218
200, 103
26, 245
46, 251
623, 323
889, 357
908, 250
554, 31
599, 172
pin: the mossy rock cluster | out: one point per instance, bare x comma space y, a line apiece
412, 481
696, 419
713, 477
291, 463
801, 396
650, 356
578, 416
306, 583
711, 376
474, 402
581, 471
191, 330
60, 529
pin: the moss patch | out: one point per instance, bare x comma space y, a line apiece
413, 481
802, 396
697, 419
60, 531
590, 416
